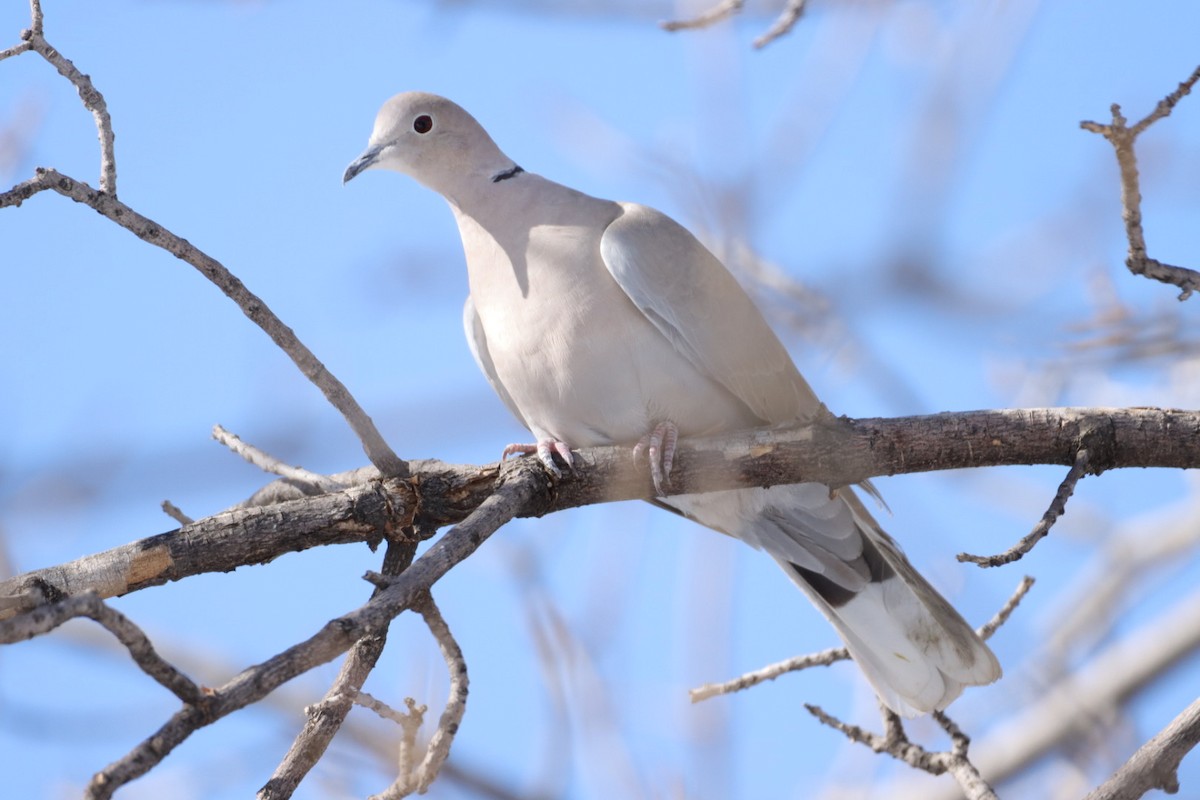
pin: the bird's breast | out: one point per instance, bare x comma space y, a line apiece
579, 360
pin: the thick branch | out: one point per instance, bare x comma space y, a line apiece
511, 495
1155, 764
221, 543
835, 452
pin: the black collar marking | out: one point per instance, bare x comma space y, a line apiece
508, 173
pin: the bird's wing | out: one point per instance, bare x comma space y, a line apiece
694, 301
477, 341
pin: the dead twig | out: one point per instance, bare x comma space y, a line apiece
895, 743
416, 778
1122, 137
267, 463
48, 617
1058, 507
325, 718
33, 40
787, 19
334, 638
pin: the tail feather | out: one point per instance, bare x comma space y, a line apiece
917, 660
913, 646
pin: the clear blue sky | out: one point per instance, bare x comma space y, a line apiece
234, 122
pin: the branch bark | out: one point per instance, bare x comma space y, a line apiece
833, 451
1155, 764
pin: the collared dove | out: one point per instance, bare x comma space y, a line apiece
604, 323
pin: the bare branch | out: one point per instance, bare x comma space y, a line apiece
252, 306
1058, 507
93, 101
1088, 697
48, 617
769, 673
1156, 763
325, 718
896, 744
787, 19
221, 543
1122, 137
417, 778
835, 654
784, 23
835, 452
268, 463
992, 625
722, 10
512, 494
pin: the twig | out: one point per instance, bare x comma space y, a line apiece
959, 764
1122, 137
787, 19
93, 100
992, 625
174, 512
410, 720
835, 654
417, 778
89, 604
769, 673
1086, 699
252, 306
724, 9
325, 718
784, 23
896, 744
268, 463
1058, 507
1155, 765
334, 638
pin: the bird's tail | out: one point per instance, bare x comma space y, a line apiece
913, 646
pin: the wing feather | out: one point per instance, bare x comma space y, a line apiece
694, 301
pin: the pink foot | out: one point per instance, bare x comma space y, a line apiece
659, 446
545, 450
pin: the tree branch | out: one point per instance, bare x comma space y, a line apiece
895, 743
835, 452
1155, 764
513, 493
1122, 137
324, 719
1058, 507
377, 450
1081, 701
33, 40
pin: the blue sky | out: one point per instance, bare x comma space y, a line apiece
939, 136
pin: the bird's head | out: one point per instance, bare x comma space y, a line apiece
432, 140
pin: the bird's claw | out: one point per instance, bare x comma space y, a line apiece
544, 450
659, 447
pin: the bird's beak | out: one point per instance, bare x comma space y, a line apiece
363, 162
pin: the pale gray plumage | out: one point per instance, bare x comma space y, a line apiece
595, 321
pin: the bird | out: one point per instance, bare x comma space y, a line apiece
608, 323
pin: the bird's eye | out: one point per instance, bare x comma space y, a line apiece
423, 124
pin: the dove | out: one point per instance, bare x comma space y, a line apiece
608, 323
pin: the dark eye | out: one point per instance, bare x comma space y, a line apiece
423, 124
